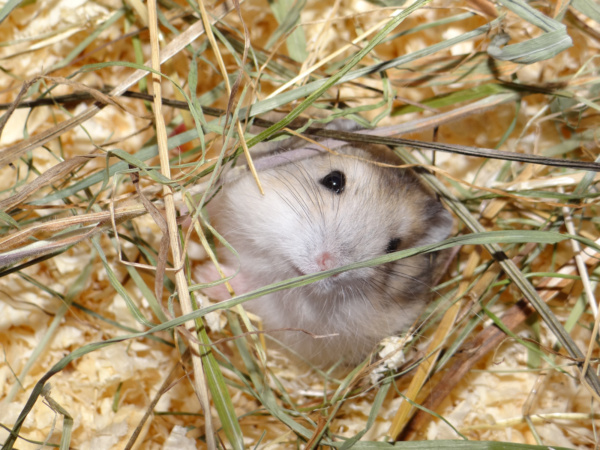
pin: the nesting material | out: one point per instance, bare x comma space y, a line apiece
61, 300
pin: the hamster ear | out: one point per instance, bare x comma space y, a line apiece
438, 223
283, 158
343, 125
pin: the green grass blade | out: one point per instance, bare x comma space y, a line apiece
144, 154
551, 43
511, 269
310, 88
116, 284
287, 13
588, 7
8, 7
334, 79
220, 394
74, 290
88, 40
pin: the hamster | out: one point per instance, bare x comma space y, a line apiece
319, 212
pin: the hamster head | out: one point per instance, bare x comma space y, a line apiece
328, 211
324, 212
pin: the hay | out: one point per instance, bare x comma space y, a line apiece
58, 300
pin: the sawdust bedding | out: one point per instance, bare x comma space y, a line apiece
511, 394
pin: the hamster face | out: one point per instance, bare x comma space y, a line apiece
325, 212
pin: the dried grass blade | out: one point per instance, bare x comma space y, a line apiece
88, 40
316, 88
195, 30
552, 42
511, 270
119, 288
173, 232
323, 86
223, 69
263, 391
54, 173
371, 137
98, 177
267, 397
433, 350
170, 378
287, 13
65, 439
44, 247
373, 413
74, 290
58, 225
14, 105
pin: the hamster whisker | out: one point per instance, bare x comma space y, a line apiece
299, 199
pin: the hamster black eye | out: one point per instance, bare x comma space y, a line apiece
393, 245
334, 181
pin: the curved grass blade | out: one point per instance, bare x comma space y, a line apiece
551, 43
487, 238
8, 7
512, 270
334, 79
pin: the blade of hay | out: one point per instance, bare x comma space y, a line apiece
166, 384
331, 56
475, 293
215, 47
90, 38
263, 392
65, 439
371, 137
434, 348
587, 7
195, 30
54, 173
74, 290
220, 394
511, 270
343, 76
9, 220
373, 413
287, 13
579, 260
8, 7
552, 42
337, 398
445, 21
216, 381
334, 79
458, 96
146, 293
56, 244
119, 288
200, 386
143, 154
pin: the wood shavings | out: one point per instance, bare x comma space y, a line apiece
109, 390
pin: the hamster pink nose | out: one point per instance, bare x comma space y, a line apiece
325, 261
